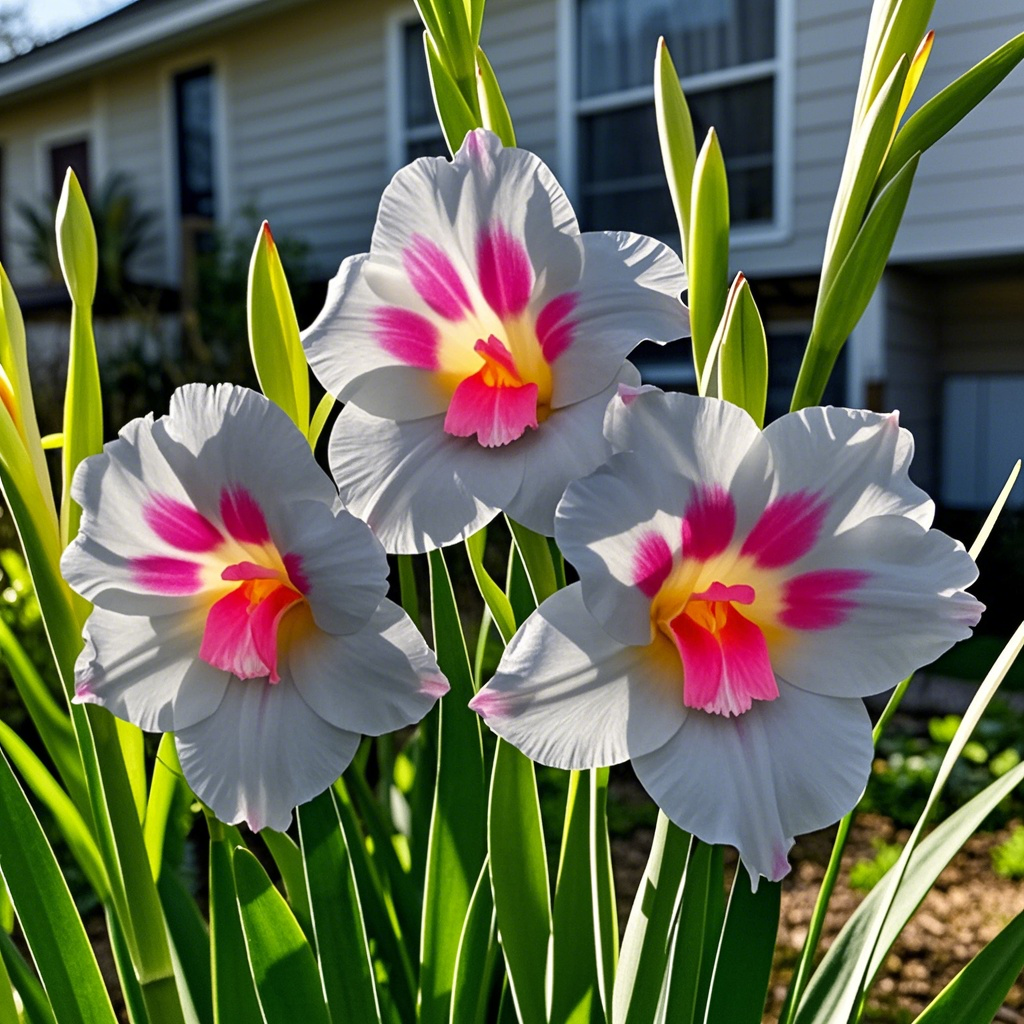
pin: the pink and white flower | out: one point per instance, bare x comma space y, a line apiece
238, 605
478, 344
739, 592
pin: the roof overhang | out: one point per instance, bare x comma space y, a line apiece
140, 29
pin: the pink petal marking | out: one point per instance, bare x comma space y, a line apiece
164, 575
409, 337
787, 530
241, 630
297, 575
497, 415
628, 394
434, 686
709, 522
727, 668
555, 325
490, 704
504, 271
493, 403
780, 864
652, 563
741, 593
820, 599
434, 276
249, 571
180, 525
243, 517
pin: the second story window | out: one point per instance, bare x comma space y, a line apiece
421, 134
193, 109
725, 52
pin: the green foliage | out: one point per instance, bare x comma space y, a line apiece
1008, 857
906, 765
866, 874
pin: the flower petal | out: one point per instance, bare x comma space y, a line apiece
421, 488
629, 291
704, 440
263, 752
567, 445
786, 767
334, 559
382, 678
147, 670
568, 695
905, 609
856, 463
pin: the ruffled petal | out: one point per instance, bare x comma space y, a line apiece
855, 636
382, 678
704, 440
263, 752
786, 767
336, 562
146, 670
621, 527
418, 487
569, 695
568, 445
854, 462
629, 291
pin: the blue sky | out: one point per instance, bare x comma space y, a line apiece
50, 17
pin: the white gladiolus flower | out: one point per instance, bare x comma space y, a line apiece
478, 344
739, 592
238, 605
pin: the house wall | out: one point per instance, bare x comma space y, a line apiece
968, 196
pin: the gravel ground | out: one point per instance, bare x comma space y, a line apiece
967, 907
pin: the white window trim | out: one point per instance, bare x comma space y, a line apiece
399, 134
571, 107
223, 202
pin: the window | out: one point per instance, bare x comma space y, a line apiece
726, 52
73, 154
193, 110
982, 437
421, 134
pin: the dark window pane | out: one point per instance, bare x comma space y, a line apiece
69, 154
622, 182
419, 103
785, 354
617, 38
193, 92
433, 145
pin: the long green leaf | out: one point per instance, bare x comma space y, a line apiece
8, 1011
537, 560
519, 877
852, 287
739, 984
975, 995
319, 419
644, 955
675, 133
696, 935
190, 946
163, 796
49, 921
494, 597
33, 998
234, 992
282, 963
342, 951
493, 110
288, 859
478, 955
70, 822
458, 824
836, 984
454, 113
707, 260
743, 357
949, 107
274, 333
382, 924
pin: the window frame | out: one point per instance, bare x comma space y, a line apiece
399, 134
571, 107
